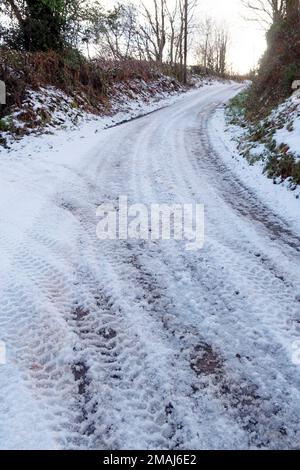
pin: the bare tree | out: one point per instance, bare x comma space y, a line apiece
154, 28
185, 40
292, 8
114, 33
172, 34
159, 31
187, 10
204, 50
15, 9
265, 12
165, 32
221, 45
212, 48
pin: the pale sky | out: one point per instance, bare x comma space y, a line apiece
248, 38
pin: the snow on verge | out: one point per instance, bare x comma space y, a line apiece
276, 196
289, 131
48, 108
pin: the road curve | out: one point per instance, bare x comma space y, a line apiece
130, 344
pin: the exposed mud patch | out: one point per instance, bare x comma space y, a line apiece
68, 206
80, 313
240, 398
107, 333
80, 373
103, 300
204, 360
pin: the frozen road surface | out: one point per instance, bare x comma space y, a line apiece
133, 344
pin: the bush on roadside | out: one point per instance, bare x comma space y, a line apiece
278, 160
87, 81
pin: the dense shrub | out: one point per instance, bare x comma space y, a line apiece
279, 66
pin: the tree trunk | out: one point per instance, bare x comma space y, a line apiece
16, 11
292, 9
185, 47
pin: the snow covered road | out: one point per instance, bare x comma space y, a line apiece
133, 344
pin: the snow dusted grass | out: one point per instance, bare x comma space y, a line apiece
49, 109
273, 142
230, 141
41, 110
288, 115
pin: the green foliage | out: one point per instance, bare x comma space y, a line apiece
279, 162
44, 25
235, 110
289, 74
72, 58
279, 66
283, 167
4, 125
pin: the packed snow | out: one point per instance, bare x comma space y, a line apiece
133, 344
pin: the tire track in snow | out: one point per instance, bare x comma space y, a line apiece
142, 345
261, 417
240, 197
